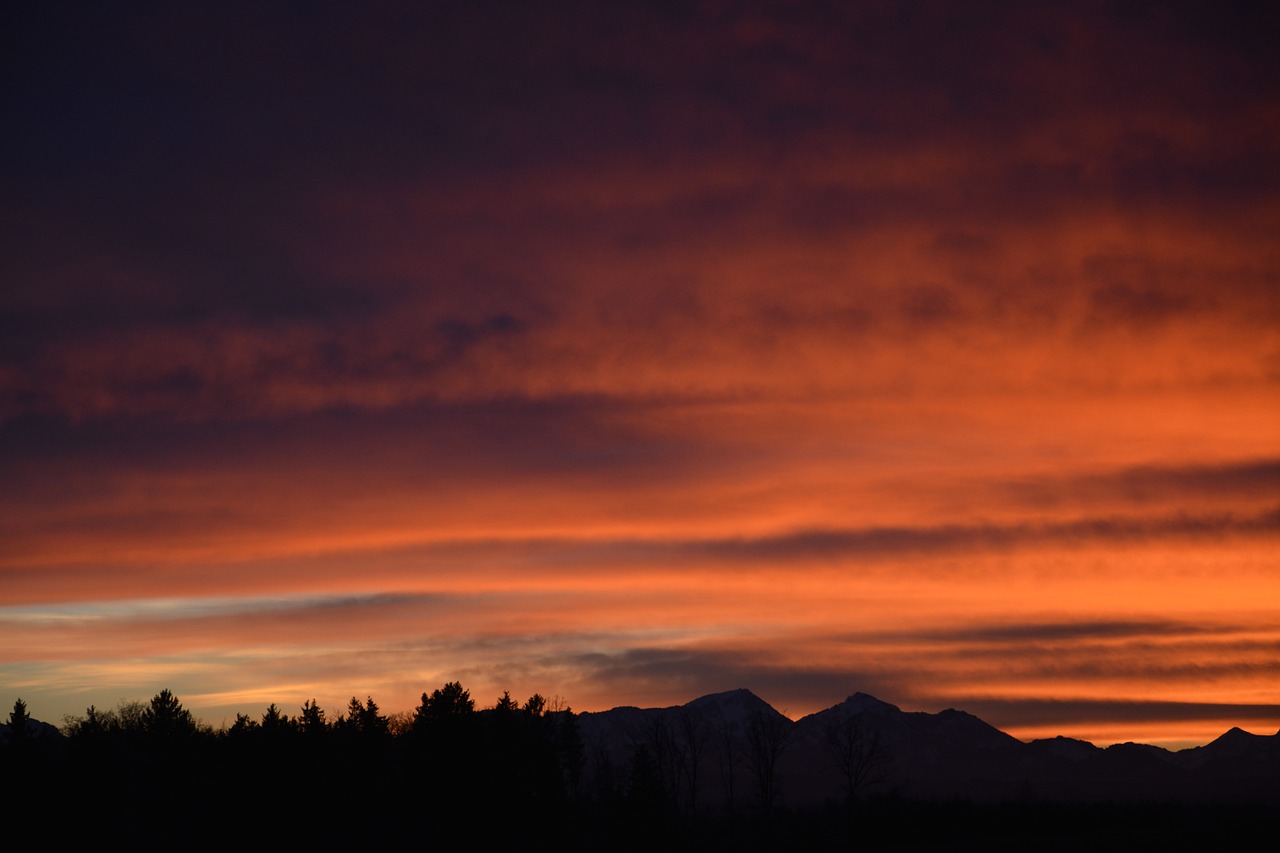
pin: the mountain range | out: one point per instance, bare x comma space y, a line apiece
717, 748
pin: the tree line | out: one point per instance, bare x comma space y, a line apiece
359, 774
522, 757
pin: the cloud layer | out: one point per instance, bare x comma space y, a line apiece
634, 353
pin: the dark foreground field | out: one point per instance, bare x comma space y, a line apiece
356, 804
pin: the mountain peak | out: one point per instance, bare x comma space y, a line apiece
1233, 739
1065, 747
740, 696
1235, 733
862, 703
733, 707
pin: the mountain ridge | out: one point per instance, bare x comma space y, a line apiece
863, 702
951, 753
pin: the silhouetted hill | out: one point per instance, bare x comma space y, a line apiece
947, 755
1065, 747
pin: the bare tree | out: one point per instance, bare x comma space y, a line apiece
695, 736
730, 757
857, 754
400, 723
130, 713
767, 738
604, 776
668, 751
658, 750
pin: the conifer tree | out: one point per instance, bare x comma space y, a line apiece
166, 717
18, 719
312, 719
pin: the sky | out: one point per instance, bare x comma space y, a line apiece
630, 352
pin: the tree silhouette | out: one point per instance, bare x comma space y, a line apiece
767, 737
695, 736
165, 717
444, 704
535, 706
730, 756
858, 756
506, 705
274, 722
364, 718
94, 723
400, 723
243, 725
130, 716
18, 719
312, 720
645, 790
665, 753
371, 720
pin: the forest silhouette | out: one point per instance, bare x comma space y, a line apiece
522, 775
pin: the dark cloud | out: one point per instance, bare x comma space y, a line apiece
930, 306
1004, 712
1071, 632
671, 673
1169, 661
516, 436
969, 538
152, 190
1257, 479
964, 244
841, 545
1138, 306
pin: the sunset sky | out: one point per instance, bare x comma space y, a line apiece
636, 351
